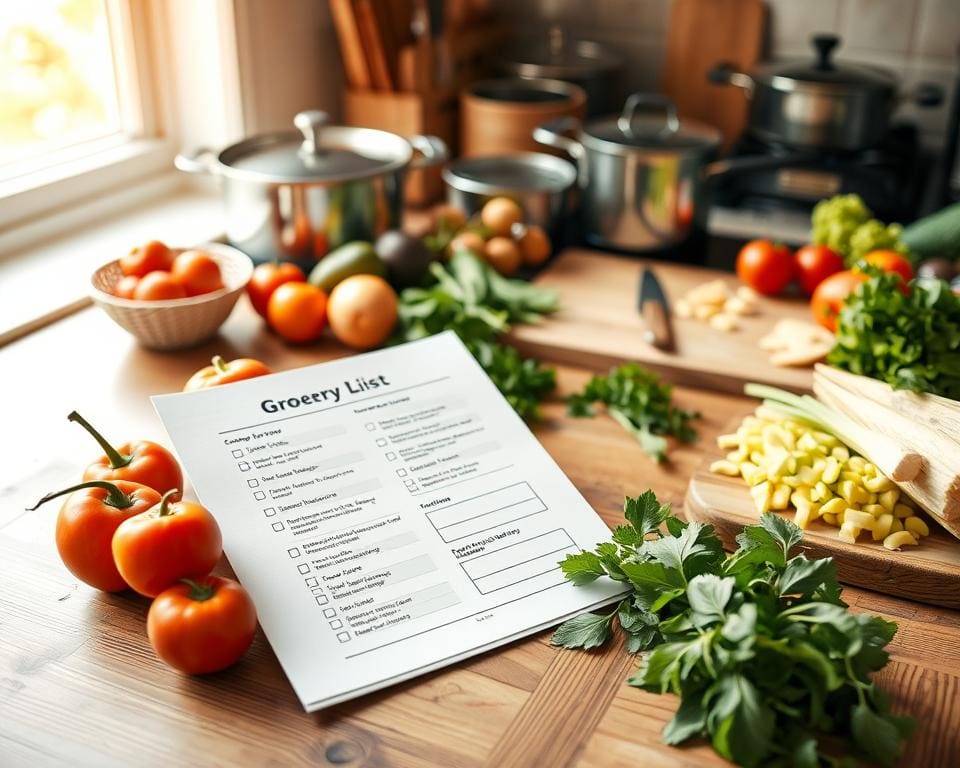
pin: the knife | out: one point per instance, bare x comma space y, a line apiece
652, 303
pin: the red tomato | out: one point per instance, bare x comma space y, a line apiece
267, 278
159, 286
297, 312
126, 286
891, 261
150, 257
202, 626
86, 524
197, 272
766, 267
168, 542
830, 296
814, 264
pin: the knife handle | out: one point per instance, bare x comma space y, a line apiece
657, 332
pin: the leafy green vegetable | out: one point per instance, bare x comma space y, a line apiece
909, 341
471, 299
636, 400
761, 650
845, 224
523, 382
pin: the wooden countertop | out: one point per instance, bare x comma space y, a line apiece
79, 683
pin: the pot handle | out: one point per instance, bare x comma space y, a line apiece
927, 95
201, 160
433, 151
726, 73
552, 133
649, 100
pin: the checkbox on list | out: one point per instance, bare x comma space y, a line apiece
278, 526
312, 581
371, 426
294, 552
343, 636
329, 613
259, 495
336, 624
322, 600
317, 590
237, 454
410, 482
401, 472
391, 456
253, 482
303, 568
381, 442
269, 512
243, 466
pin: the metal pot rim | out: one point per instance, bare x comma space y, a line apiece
786, 84
452, 177
346, 136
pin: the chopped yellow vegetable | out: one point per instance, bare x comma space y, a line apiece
916, 526
899, 539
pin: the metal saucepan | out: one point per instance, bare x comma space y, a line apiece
298, 195
642, 175
542, 184
822, 104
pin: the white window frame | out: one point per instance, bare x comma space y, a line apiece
114, 165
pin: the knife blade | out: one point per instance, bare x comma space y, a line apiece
653, 306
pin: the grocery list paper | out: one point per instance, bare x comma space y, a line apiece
389, 513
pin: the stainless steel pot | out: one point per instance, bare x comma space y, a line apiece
641, 174
822, 104
540, 183
298, 195
594, 67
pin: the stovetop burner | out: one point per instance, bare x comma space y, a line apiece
888, 177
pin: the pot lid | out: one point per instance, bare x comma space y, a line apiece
559, 57
320, 152
824, 73
520, 172
632, 130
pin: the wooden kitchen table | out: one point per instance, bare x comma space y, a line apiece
79, 684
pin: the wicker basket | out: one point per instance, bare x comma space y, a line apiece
175, 323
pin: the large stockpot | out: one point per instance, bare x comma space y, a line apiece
641, 173
295, 196
822, 104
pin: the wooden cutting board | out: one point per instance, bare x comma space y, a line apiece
928, 573
704, 33
598, 326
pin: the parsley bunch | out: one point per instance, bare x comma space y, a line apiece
638, 402
759, 647
909, 341
473, 300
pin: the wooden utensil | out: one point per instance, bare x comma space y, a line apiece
374, 47
598, 326
351, 48
929, 573
702, 34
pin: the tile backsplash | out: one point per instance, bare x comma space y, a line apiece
917, 39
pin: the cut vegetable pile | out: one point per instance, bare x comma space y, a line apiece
789, 464
715, 303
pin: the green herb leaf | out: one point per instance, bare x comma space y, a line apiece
689, 721
637, 400
802, 575
708, 595
877, 736
582, 568
645, 513
741, 726
588, 630
785, 532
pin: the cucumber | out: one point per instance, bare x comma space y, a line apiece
936, 235
354, 258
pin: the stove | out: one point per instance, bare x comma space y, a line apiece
890, 178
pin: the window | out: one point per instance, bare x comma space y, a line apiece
77, 102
